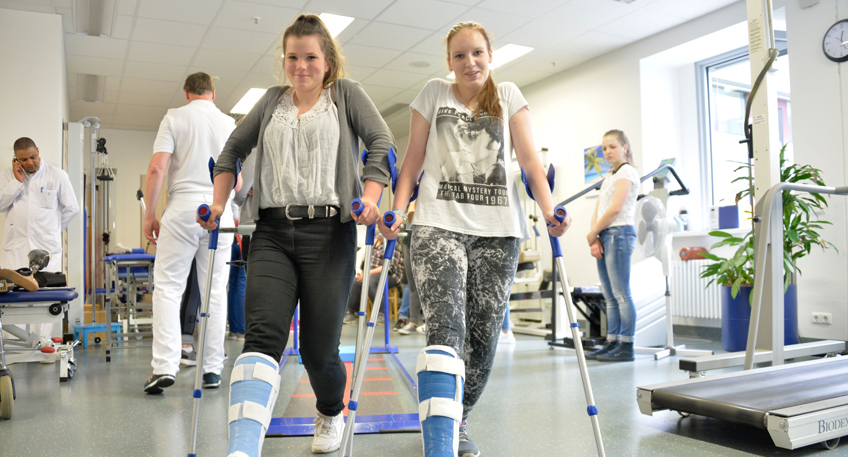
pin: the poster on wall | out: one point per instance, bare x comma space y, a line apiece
594, 164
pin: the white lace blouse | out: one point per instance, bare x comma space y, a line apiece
300, 154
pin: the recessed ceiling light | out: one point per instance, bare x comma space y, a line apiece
246, 103
419, 64
335, 22
503, 55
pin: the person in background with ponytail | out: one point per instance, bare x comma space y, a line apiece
468, 229
611, 241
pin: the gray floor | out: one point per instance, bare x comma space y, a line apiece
533, 405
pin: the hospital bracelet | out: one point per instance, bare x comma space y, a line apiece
401, 215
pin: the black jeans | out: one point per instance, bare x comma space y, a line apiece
190, 305
310, 261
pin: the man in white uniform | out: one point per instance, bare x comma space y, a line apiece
39, 203
188, 137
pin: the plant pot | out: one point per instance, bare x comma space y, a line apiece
736, 315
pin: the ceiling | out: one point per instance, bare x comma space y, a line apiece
145, 48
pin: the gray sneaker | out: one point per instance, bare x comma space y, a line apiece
467, 446
188, 359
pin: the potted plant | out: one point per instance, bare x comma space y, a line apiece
735, 274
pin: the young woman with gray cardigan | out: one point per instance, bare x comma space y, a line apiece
303, 250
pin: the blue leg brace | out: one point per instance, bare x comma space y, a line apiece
254, 383
441, 377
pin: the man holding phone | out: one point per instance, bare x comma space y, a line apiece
39, 203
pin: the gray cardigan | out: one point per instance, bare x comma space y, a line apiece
356, 112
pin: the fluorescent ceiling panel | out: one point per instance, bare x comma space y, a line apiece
246, 103
335, 22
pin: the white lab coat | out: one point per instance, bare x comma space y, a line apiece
38, 210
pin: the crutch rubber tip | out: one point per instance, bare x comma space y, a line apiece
592, 410
576, 324
197, 393
352, 405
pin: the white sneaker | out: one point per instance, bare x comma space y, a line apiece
422, 329
408, 329
506, 337
328, 433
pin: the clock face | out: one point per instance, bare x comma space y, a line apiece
835, 42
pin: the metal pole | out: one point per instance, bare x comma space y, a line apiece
581, 359
204, 313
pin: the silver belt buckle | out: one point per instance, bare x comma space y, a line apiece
290, 217
310, 211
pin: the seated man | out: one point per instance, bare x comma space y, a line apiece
395, 272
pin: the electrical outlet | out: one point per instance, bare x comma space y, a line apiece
822, 318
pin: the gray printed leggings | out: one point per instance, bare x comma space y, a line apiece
464, 283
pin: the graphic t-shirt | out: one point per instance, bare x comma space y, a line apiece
467, 185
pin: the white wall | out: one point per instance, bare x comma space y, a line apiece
571, 111
33, 90
819, 120
129, 155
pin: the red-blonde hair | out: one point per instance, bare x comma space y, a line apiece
487, 99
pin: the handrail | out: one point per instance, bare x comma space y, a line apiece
682, 191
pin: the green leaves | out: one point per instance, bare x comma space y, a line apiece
800, 230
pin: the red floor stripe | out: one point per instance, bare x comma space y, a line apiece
302, 395
306, 381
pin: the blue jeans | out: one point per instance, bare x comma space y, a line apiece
403, 313
506, 323
614, 270
235, 293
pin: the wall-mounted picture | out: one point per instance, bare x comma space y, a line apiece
594, 164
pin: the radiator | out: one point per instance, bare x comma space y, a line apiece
689, 292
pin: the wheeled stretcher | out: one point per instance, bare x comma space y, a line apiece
44, 306
130, 274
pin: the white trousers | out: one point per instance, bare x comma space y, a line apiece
180, 240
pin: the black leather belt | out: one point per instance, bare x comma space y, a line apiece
295, 212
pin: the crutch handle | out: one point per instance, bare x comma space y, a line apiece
204, 212
356, 206
560, 213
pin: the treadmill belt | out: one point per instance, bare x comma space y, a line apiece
747, 399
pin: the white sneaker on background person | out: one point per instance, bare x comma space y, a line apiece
422, 329
506, 337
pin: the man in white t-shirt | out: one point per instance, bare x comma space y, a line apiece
188, 137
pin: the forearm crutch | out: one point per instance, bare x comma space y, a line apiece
560, 214
363, 351
204, 213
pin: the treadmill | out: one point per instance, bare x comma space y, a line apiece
799, 404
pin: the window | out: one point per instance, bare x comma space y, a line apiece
724, 88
